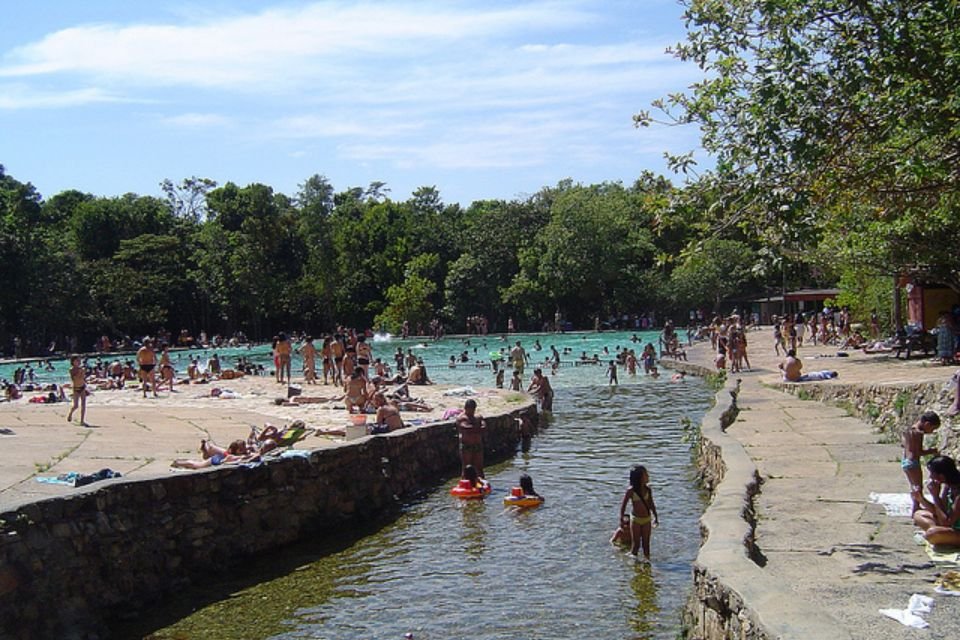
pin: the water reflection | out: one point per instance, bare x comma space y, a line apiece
644, 615
473, 530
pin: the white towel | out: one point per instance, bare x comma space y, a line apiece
918, 604
895, 504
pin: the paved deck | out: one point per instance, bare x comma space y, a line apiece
822, 540
139, 436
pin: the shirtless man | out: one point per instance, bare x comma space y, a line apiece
471, 427
540, 388
791, 367
418, 374
518, 356
337, 351
309, 353
388, 416
147, 360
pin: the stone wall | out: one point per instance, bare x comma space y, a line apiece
69, 565
889, 407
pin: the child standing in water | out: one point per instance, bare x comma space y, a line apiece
78, 380
913, 450
643, 514
612, 372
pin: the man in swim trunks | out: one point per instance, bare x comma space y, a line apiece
147, 361
337, 350
541, 389
309, 353
518, 356
471, 427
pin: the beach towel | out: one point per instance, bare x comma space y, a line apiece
895, 504
292, 435
450, 413
948, 584
295, 453
64, 478
460, 391
942, 554
75, 479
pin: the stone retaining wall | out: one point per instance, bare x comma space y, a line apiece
888, 407
69, 565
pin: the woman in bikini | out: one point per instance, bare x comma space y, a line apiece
643, 514
78, 380
356, 391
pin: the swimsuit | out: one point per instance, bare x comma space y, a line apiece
471, 448
908, 464
217, 459
147, 368
634, 518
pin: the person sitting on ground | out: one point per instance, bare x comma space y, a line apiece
940, 517
388, 415
792, 367
418, 374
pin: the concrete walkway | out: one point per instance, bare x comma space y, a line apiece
823, 544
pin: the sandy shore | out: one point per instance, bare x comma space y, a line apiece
140, 436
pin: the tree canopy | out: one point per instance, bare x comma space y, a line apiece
835, 121
247, 258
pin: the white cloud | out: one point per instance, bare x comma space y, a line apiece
14, 97
275, 46
202, 120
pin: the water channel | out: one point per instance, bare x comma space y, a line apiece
451, 569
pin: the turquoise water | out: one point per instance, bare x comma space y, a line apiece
451, 569
436, 356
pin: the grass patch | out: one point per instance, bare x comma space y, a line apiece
900, 403
715, 381
803, 394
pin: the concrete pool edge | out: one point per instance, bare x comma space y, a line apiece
70, 564
732, 596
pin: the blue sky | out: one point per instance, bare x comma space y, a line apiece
489, 99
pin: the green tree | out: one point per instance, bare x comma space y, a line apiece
832, 118
711, 272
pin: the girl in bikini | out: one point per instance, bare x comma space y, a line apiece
643, 514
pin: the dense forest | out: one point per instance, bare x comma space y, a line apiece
229, 258
834, 132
